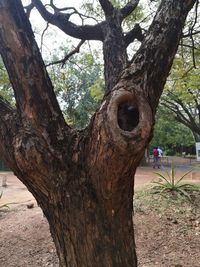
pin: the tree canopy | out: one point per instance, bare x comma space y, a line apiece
182, 93
172, 136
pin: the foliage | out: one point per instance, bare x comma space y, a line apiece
134, 17
93, 9
5, 87
79, 87
182, 94
169, 134
184, 78
169, 183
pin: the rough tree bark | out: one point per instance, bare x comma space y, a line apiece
83, 180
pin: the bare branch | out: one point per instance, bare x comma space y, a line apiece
186, 72
135, 33
63, 61
42, 36
190, 46
196, 15
193, 53
61, 20
175, 104
178, 114
189, 34
129, 8
5, 108
26, 69
107, 7
29, 9
158, 48
74, 11
62, 9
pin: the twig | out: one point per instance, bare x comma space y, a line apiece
63, 61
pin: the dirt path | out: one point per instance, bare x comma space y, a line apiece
25, 240
16, 193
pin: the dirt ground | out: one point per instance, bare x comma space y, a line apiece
162, 239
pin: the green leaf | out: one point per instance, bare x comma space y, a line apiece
183, 177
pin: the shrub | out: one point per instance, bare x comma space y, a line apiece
168, 183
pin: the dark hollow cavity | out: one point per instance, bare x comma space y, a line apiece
128, 116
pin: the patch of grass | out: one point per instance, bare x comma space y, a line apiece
169, 204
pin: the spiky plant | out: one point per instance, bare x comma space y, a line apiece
169, 183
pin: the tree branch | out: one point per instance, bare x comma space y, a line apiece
107, 7
178, 102
32, 86
129, 8
177, 113
189, 34
191, 118
42, 36
8, 130
74, 11
190, 46
56, 9
135, 33
187, 118
61, 20
63, 61
154, 59
5, 108
29, 9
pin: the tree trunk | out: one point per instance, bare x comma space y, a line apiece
114, 50
87, 228
83, 180
196, 137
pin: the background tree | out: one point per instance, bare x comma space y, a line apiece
172, 136
5, 86
83, 179
79, 87
182, 93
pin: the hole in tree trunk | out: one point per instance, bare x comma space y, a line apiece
128, 116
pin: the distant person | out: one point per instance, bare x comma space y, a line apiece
156, 158
160, 152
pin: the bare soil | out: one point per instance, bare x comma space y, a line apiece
167, 234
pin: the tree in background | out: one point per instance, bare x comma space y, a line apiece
83, 179
172, 136
79, 87
182, 93
5, 86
